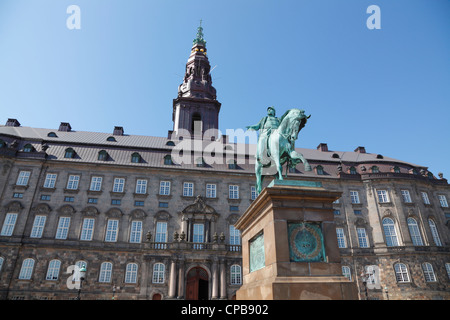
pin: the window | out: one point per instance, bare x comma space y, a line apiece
8, 224
87, 229
135, 158
396, 169
443, 201
447, 268
362, 238
102, 155
319, 170
18, 195
234, 208
425, 198
188, 189
70, 153
105, 272
337, 212
116, 202
50, 180
45, 197
200, 162
53, 270
163, 204
38, 227
72, 183
434, 232
93, 200
235, 236
96, 184
347, 273
382, 196
22, 179
370, 270
119, 184
406, 196
136, 232
69, 199
357, 212
235, 275
164, 188
52, 135
27, 269
141, 186
161, 234
414, 231
375, 169
341, 238
28, 148
158, 273
112, 229
63, 228
428, 272
232, 164
390, 233
198, 235
210, 190
352, 170
233, 192
131, 273
138, 203
401, 272
76, 274
253, 193
168, 160
354, 196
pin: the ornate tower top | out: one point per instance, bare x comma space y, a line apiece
199, 39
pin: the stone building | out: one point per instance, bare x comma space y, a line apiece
151, 220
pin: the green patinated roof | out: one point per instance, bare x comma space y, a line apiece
199, 39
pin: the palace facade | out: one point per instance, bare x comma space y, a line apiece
146, 225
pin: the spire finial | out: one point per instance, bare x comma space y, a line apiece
199, 39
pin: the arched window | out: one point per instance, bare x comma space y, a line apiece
158, 273
28, 148
390, 232
53, 270
131, 273
70, 153
105, 272
375, 169
319, 170
401, 272
76, 274
102, 155
347, 273
170, 143
235, 274
111, 138
52, 135
352, 170
428, 272
27, 269
434, 232
135, 158
414, 232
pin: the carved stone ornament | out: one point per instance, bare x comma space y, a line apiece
114, 213
41, 208
66, 210
14, 207
199, 206
90, 211
138, 214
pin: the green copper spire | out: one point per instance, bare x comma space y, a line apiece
199, 39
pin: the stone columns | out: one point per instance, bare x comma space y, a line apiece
172, 279
223, 279
180, 279
215, 281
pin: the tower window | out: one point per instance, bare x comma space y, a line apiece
196, 122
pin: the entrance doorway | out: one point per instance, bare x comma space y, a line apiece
197, 284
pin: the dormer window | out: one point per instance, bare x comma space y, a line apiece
103, 155
168, 160
319, 170
396, 169
375, 169
52, 135
70, 153
232, 164
111, 138
199, 162
352, 170
135, 158
28, 148
170, 143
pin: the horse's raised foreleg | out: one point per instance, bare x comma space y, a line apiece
295, 155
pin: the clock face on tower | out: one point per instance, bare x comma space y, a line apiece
305, 242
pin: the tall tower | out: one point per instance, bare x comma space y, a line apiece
196, 108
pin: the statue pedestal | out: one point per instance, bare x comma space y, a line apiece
289, 245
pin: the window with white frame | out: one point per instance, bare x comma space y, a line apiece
342, 243
434, 232
105, 272
8, 224
164, 188
211, 190
38, 226
188, 189
428, 272
390, 232
27, 269
406, 196
235, 275
354, 196
401, 273
22, 179
347, 273
131, 273
53, 270
382, 196
235, 236
425, 198
253, 193
112, 228
362, 238
141, 186
161, 234
87, 230
233, 192
136, 231
414, 231
198, 235
63, 228
119, 184
443, 201
72, 182
50, 180
158, 273
96, 184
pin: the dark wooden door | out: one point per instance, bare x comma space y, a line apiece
197, 284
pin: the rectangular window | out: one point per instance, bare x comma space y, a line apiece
210, 190
72, 183
253, 193
164, 188
112, 229
45, 197
8, 224
233, 192
96, 184
357, 212
93, 200
188, 189
22, 179
198, 235
234, 208
235, 236
443, 201
141, 186
38, 227
119, 184
406, 196
425, 198
362, 238
116, 202
87, 230
50, 180
69, 199
382, 196
63, 228
341, 238
161, 234
354, 196
136, 232
163, 205
17, 195
337, 212
139, 203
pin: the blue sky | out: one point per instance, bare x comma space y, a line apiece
386, 89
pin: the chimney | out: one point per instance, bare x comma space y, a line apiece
360, 150
118, 131
322, 147
12, 123
65, 126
